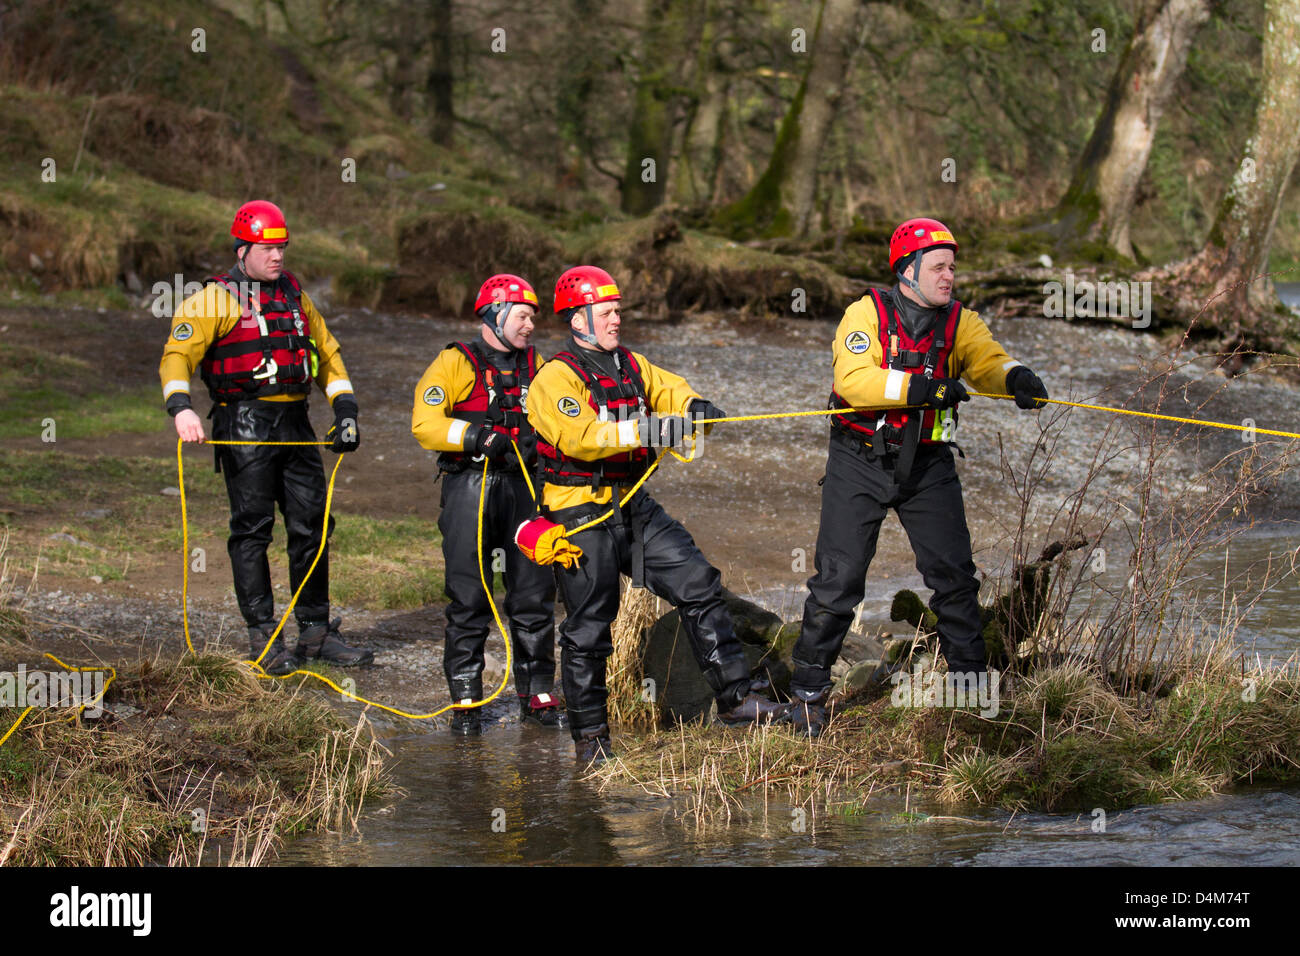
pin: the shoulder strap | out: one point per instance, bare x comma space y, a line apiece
473, 356
572, 361
526, 365
227, 282
888, 319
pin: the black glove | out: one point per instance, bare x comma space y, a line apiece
701, 408
527, 443
1026, 387
488, 442
936, 392
669, 431
344, 435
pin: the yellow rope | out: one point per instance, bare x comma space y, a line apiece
329, 498
628, 497
23, 716
595, 521
1163, 418
1052, 401
20, 719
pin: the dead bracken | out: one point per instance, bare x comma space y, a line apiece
193, 761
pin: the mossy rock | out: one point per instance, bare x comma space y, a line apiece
680, 688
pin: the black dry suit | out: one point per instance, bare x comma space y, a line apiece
507, 503
860, 486
643, 541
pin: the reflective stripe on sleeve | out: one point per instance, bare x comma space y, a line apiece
894, 384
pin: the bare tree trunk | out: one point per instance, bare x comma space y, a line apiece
576, 83
1235, 256
782, 200
695, 172
1099, 200
406, 48
837, 40
441, 82
649, 144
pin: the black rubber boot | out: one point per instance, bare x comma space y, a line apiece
751, 707
808, 711
278, 660
540, 709
591, 746
467, 722
323, 642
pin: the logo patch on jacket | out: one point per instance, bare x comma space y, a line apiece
434, 395
857, 342
182, 331
568, 406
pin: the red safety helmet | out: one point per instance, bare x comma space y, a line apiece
504, 287
260, 221
917, 234
584, 285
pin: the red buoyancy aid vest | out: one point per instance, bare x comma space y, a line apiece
270, 350
498, 399
926, 356
613, 401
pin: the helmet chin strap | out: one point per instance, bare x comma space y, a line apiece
589, 336
912, 283
497, 313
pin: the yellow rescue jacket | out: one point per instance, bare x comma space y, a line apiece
204, 318
560, 411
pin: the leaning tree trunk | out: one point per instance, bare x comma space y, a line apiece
782, 200
1099, 200
440, 82
1234, 261
650, 136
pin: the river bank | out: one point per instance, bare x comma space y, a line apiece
746, 367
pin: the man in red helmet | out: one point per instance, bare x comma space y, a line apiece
471, 405
897, 357
601, 412
259, 343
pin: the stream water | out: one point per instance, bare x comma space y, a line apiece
513, 797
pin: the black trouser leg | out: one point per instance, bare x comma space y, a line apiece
468, 616
252, 474
530, 595
855, 499
677, 571
301, 495
934, 517
591, 594
530, 590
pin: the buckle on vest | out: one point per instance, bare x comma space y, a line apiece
270, 367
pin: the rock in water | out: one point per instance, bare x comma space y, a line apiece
680, 687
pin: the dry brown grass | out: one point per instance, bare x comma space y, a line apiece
215, 764
630, 705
